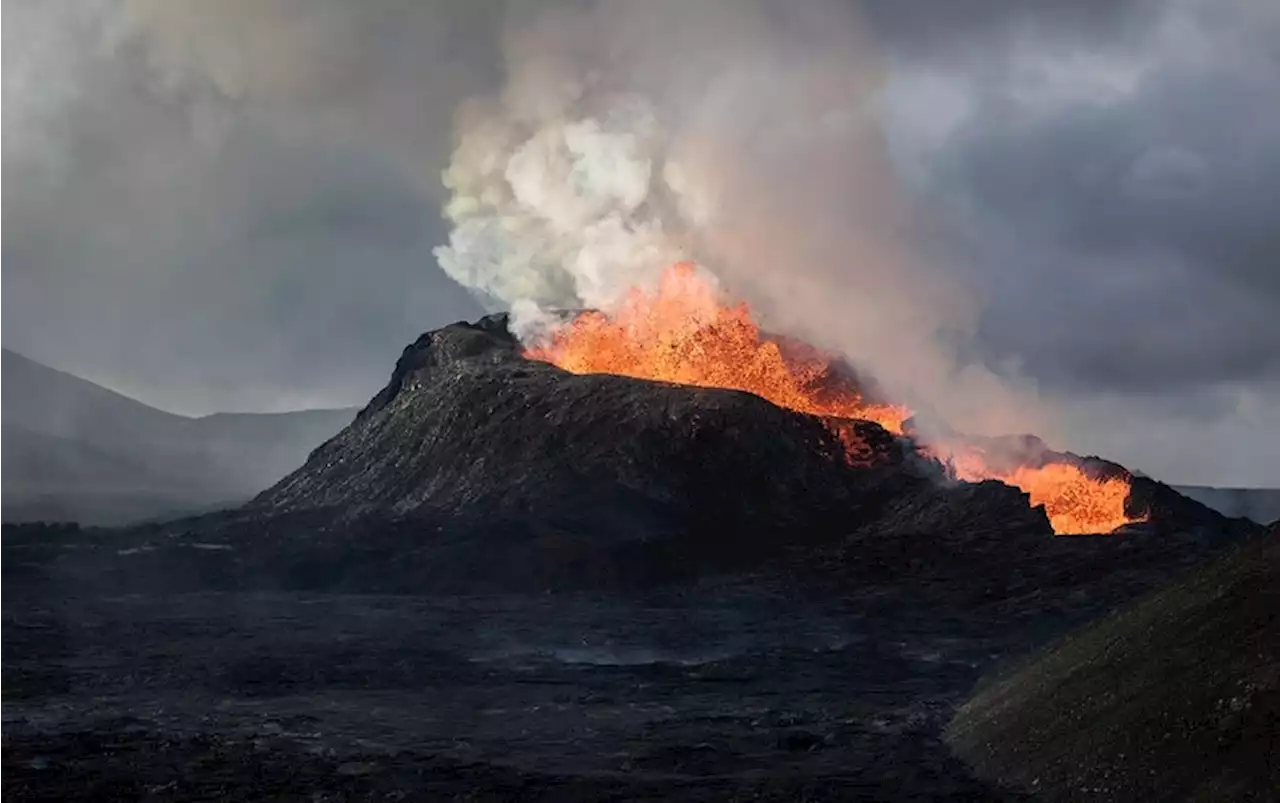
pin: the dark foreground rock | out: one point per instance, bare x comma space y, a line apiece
827, 676
702, 696
1175, 698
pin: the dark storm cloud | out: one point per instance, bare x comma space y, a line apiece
944, 31
1148, 227
1108, 176
233, 205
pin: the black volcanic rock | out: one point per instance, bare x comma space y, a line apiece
480, 462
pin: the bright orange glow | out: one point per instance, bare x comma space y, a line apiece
682, 333
1075, 503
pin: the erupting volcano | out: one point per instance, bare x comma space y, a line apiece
684, 334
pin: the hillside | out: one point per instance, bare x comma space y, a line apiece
54, 402
1175, 698
75, 450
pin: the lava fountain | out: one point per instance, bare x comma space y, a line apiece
1075, 503
683, 333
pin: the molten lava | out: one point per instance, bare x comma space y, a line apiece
1075, 503
684, 334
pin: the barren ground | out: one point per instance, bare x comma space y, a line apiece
323, 697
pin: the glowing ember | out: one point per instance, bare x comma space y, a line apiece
683, 334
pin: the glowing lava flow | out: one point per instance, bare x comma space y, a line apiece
1075, 503
683, 334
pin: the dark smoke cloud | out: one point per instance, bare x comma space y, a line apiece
233, 205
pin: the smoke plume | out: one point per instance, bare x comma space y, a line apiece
623, 142
381, 76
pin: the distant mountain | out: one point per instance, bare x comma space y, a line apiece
1257, 504
73, 450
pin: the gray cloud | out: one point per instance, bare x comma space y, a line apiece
944, 32
1143, 193
1114, 192
233, 205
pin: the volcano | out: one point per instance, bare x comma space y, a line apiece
683, 332
485, 464
566, 586
472, 445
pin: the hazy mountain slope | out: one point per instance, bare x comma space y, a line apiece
1259, 504
42, 399
1174, 698
74, 450
35, 461
51, 478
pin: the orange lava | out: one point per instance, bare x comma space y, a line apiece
684, 334
1075, 503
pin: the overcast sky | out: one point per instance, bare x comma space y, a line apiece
218, 206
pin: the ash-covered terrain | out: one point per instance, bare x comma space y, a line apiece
504, 581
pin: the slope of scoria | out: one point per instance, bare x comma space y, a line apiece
682, 333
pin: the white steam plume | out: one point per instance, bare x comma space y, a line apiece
734, 133
556, 209
46, 49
